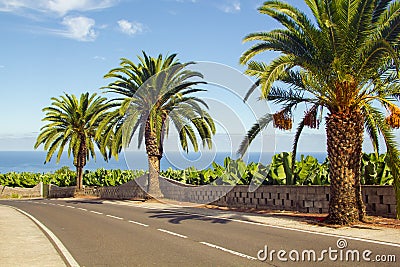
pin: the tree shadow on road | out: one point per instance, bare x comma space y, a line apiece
88, 201
178, 217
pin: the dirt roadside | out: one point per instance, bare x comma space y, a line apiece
314, 218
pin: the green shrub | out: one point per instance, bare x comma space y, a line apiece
307, 171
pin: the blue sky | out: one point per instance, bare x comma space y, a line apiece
53, 46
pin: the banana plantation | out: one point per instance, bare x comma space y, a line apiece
281, 171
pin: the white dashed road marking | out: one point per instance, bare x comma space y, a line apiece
229, 251
138, 223
96, 212
172, 233
114, 217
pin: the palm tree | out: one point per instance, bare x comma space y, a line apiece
344, 60
157, 92
73, 122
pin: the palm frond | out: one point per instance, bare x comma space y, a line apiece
299, 130
261, 124
393, 153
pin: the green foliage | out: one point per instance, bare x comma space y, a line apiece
23, 179
62, 177
231, 173
307, 171
376, 170
191, 175
66, 177
158, 94
344, 55
280, 169
103, 177
73, 122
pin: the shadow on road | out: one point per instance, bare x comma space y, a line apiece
96, 202
177, 217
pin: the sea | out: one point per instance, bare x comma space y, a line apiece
33, 161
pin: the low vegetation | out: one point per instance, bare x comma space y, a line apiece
67, 177
306, 171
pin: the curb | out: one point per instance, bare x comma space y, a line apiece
59, 246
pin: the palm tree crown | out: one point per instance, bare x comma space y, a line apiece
73, 122
344, 60
156, 92
165, 98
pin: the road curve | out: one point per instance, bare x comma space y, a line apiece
101, 234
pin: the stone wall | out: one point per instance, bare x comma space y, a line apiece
18, 192
129, 190
61, 192
379, 200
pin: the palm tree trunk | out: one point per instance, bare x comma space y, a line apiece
79, 178
360, 203
345, 130
153, 181
81, 162
154, 155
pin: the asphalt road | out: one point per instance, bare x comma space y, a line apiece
100, 234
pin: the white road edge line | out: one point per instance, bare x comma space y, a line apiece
171, 233
70, 207
138, 223
82, 209
96, 212
64, 251
114, 217
292, 229
229, 251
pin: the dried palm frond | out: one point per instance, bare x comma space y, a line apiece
310, 118
283, 120
394, 118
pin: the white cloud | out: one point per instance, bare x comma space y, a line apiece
64, 6
9, 6
103, 26
2, 66
99, 58
231, 7
184, 1
130, 28
59, 7
78, 28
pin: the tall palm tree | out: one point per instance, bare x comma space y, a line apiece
345, 60
157, 92
73, 122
